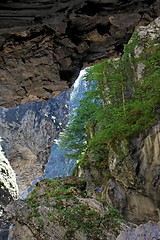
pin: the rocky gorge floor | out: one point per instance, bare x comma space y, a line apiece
60, 209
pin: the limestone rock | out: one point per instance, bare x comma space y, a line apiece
135, 163
148, 231
8, 185
129, 175
44, 44
93, 204
8, 191
60, 209
29, 131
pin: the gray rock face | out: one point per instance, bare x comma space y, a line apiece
44, 44
29, 132
146, 231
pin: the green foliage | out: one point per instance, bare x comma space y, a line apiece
118, 106
34, 204
75, 138
62, 199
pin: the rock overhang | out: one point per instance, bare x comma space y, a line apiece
45, 43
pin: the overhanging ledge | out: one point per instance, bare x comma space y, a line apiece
45, 43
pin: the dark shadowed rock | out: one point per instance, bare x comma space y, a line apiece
44, 44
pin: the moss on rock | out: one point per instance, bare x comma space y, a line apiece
64, 203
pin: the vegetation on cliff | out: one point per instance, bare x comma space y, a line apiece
118, 170
64, 202
119, 105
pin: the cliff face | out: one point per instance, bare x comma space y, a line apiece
129, 176
29, 132
67, 208
138, 172
44, 44
8, 190
69, 215
134, 188
8, 185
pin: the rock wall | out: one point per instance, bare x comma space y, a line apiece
130, 179
139, 171
8, 185
44, 44
29, 132
147, 231
135, 187
131, 184
8, 191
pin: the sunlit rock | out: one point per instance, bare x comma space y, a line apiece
29, 131
8, 184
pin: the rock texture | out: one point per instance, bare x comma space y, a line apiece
138, 172
8, 192
129, 176
28, 132
132, 186
45, 43
132, 183
141, 193
146, 231
60, 209
8, 185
